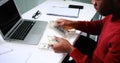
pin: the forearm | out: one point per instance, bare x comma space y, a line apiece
88, 27
79, 57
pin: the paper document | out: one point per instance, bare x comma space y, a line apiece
4, 50
63, 11
43, 56
15, 57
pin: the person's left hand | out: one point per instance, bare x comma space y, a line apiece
65, 24
63, 46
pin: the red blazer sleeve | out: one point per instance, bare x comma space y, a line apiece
93, 27
112, 56
79, 57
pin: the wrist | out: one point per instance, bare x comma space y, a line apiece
71, 49
74, 24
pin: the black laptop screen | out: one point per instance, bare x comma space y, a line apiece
8, 16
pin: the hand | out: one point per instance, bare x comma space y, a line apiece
63, 46
65, 24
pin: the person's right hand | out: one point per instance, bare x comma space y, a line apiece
65, 24
62, 46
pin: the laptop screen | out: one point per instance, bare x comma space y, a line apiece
9, 15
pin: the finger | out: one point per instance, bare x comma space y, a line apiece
58, 39
60, 20
57, 23
52, 46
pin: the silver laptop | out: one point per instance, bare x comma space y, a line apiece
15, 29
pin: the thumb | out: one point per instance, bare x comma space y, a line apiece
58, 39
51, 45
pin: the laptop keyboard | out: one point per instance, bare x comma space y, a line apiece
22, 30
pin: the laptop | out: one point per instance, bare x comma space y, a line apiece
13, 28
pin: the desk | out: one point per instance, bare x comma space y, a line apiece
86, 13
23, 53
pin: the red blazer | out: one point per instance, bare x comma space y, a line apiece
108, 47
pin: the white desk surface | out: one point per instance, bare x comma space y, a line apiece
85, 14
23, 53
